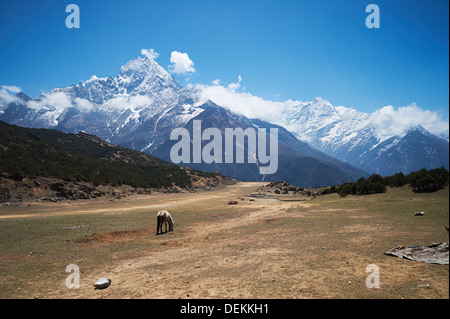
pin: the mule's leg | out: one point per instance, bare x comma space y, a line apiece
158, 226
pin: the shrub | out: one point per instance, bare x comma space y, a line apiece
423, 181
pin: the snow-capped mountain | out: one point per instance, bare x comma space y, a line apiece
415, 149
141, 106
131, 109
352, 137
298, 163
328, 128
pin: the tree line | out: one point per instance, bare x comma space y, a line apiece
421, 181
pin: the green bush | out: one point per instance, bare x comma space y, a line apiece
424, 181
374, 184
421, 181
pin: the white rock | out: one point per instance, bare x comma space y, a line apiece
102, 283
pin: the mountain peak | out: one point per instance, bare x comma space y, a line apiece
319, 106
140, 65
144, 73
421, 130
321, 102
23, 96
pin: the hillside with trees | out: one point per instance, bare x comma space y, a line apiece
27, 152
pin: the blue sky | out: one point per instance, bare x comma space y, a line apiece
282, 49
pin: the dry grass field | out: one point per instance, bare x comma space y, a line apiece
265, 248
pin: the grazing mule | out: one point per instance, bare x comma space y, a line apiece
163, 217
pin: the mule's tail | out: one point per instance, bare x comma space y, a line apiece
171, 222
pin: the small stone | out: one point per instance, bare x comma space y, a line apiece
424, 286
102, 283
198, 266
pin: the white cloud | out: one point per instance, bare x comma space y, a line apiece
389, 121
8, 93
241, 102
83, 105
35, 105
60, 101
181, 63
233, 87
150, 53
12, 88
140, 100
56, 100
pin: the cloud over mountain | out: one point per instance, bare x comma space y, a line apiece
181, 63
150, 53
8, 93
241, 102
390, 121
387, 121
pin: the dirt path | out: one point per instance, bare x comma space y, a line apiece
103, 205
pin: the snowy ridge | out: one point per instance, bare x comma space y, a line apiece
140, 106
142, 94
352, 137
